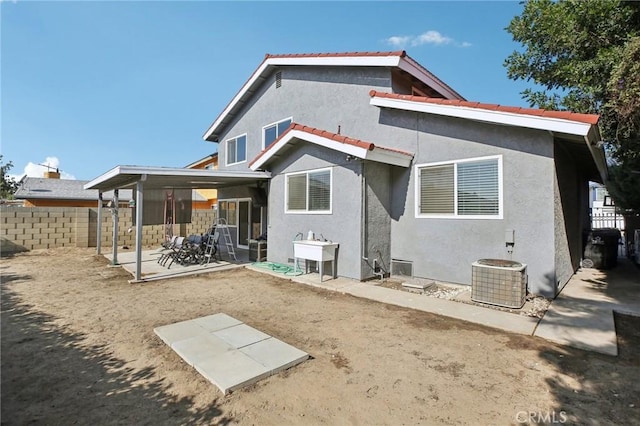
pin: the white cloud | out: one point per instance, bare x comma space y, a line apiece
398, 41
429, 37
38, 169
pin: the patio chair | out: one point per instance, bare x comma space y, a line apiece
175, 253
165, 249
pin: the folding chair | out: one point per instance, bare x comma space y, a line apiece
166, 249
176, 252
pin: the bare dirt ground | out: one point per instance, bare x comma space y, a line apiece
78, 348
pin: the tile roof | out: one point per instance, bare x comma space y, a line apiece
400, 53
369, 146
564, 115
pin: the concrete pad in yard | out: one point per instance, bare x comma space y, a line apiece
201, 347
217, 322
232, 370
240, 335
275, 354
232, 356
179, 331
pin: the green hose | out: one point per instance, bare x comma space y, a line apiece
278, 268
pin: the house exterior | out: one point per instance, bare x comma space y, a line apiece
374, 152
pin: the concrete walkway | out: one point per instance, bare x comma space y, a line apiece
581, 316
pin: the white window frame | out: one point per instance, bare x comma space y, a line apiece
275, 123
307, 211
226, 147
455, 215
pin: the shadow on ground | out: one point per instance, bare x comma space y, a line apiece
79, 378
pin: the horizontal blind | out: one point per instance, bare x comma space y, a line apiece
231, 151
320, 191
478, 188
437, 190
297, 192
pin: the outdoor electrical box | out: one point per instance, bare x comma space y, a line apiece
509, 236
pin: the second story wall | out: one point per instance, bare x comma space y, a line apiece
329, 98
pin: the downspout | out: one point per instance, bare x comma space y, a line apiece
364, 218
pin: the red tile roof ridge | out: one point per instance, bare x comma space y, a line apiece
564, 115
329, 135
400, 53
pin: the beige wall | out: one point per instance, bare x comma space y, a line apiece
28, 228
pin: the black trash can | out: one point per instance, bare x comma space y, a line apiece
601, 250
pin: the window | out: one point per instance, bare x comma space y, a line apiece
227, 211
237, 150
273, 131
462, 189
308, 192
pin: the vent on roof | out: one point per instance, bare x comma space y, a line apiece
278, 79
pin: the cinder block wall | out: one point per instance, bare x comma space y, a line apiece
28, 228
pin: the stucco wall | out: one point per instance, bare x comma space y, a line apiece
343, 225
28, 228
444, 249
377, 219
323, 98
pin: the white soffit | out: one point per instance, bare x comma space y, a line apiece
489, 116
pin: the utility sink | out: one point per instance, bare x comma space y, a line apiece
320, 251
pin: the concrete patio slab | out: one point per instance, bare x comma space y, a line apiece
229, 353
217, 322
273, 352
232, 370
241, 335
200, 347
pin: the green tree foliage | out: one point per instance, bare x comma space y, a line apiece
585, 57
8, 186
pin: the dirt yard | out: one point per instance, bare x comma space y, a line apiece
78, 348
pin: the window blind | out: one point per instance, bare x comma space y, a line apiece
478, 188
320, 191
297, 192
437, 190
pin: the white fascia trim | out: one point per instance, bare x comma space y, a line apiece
498, 117
318, 140
428, 78
389, 61
104, 177
389, 157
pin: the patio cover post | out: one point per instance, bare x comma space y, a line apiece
139, 198
114, 215
99, 227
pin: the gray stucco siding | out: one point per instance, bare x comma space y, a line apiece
326, 98
343, 225
444, 249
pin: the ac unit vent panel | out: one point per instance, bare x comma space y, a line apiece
499, 282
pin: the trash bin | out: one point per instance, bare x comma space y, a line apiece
601, 250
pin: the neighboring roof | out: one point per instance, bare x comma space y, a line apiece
171, 177
398, 59
563, 124
32, 188
205, 160
350, 146
523, 117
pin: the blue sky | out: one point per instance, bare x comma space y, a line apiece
86, 86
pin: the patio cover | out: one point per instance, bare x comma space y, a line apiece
141, 178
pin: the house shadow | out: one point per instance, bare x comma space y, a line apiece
50, 375
592, 387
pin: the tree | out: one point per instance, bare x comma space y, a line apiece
585, 56
9, 185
